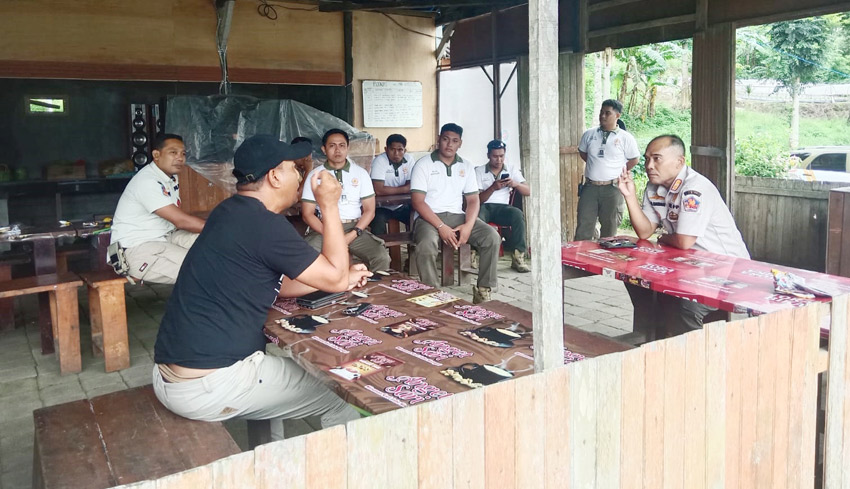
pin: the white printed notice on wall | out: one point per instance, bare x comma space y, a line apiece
392, 104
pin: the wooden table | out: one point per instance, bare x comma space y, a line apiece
400, 353
725, 282
43, 242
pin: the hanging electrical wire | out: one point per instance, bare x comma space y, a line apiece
268, 9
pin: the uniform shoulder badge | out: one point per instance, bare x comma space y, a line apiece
676, 185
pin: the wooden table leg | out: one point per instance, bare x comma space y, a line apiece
44, 261
7, 306
97, 253
66, 321
393, 226
109, 325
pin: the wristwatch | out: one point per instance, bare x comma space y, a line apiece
358, 231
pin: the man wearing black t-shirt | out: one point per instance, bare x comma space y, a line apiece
209, 353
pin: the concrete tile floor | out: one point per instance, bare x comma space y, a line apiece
30, 380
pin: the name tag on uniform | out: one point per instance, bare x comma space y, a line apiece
601, 153
342, 198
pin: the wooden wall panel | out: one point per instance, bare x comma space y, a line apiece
772, 214
837, 433
838, 233
732, 405
197, 194
748, 13
384, 51
571, 69
161, 34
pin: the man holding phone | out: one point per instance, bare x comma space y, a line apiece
497, 180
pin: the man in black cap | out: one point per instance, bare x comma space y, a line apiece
209, 353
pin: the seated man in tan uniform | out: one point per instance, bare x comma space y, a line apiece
148, 223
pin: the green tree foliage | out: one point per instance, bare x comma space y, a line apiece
760, 157
793, 55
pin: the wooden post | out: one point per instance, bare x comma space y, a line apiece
713, 107
544, 176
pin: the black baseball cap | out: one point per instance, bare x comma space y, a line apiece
259, 154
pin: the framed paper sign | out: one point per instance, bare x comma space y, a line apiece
392, 104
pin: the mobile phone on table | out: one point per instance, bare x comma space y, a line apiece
356, 310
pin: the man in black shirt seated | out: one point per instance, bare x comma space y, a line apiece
209, 353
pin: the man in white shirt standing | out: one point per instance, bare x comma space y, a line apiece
356, 204
148, 223
441, 182
606, 150
497, 180
391, 176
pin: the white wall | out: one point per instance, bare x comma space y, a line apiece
466, 98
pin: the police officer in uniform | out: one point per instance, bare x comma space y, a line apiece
606, 150
691, 213
149, 225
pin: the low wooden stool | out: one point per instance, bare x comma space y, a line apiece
64, 312
464, 263
108, 314
120, 438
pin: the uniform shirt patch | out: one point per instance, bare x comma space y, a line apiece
692, 192
672, 216
676, 185
165, 191
691, 204
462, 173
657, 204
355, 182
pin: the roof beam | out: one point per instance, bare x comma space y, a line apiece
347, 5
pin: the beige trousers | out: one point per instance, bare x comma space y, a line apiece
159, 262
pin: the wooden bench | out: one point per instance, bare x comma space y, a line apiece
108, 314
64, 312
393, 242
120, 438
464, 264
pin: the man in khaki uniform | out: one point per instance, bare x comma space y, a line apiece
606, 150
149, 224
356, 204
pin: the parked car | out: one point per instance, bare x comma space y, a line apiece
821, 163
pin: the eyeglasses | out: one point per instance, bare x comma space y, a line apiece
495, 144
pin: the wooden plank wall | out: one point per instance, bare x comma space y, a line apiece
167, 40
837, 432
783, 221
572, 125
712, 106
838, 234
732, 405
